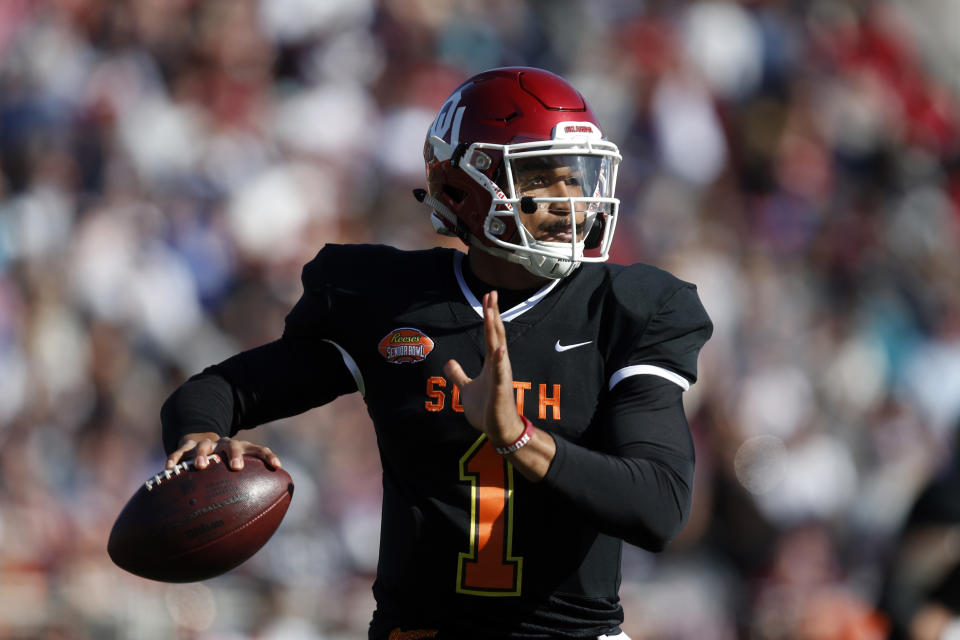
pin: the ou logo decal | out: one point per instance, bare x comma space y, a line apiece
450, 115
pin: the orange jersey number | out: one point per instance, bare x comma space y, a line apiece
489, 567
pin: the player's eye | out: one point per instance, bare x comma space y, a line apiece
534, 182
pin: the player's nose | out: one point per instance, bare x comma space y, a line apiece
560, 189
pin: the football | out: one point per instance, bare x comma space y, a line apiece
186, 524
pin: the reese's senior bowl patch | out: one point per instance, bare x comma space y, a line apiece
405, 345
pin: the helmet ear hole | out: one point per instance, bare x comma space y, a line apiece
454, 194
500, 174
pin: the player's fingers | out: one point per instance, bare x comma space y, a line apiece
499, 329
234, 453
174, 458
502, 361
267, 455
496, 336
205, 448
238, 448
493, 330
455, 373
488, 333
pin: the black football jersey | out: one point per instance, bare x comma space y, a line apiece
469, 548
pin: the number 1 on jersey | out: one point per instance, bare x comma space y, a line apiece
489, 567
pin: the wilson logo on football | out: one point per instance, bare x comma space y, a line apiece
405, 345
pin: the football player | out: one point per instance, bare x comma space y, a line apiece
526, 395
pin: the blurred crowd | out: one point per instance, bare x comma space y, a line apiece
167, 166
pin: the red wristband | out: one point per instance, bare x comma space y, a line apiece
524, 438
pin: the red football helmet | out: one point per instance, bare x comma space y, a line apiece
498, 143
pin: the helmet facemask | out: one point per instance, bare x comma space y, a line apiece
556, 207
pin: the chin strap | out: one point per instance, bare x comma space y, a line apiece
440, 215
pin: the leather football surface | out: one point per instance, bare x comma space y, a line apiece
188, 524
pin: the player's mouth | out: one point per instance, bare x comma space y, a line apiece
560, 232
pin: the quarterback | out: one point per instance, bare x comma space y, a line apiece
526, 394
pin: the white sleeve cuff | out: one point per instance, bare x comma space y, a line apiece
650, 370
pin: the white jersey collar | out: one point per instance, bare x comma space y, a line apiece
508, 315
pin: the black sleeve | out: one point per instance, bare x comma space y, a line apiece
947, 591
300, 371
638, 486
202, 403
278, 380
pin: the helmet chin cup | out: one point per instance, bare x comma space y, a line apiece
548, 267
552, 268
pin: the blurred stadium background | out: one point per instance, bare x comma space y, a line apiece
167, 166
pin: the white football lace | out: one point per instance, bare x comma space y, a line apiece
166, 474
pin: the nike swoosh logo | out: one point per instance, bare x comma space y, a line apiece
566, 347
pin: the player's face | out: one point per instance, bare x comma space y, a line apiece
561, 177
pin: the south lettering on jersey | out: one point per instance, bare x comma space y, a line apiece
437, 397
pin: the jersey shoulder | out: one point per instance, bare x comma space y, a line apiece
363, 269
641, 290
652, 317
638, 290
344, 283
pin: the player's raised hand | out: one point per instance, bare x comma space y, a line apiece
489, 400
200, 446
